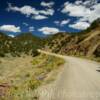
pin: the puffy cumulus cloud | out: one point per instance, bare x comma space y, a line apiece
39, 17
10, 28
75, 10
62, 23
90, 3
31, 11
79, 25
87, 3
11, 35
31, 28
27, 10
47, 12
47, 4
85, 11
49, 30
78, 2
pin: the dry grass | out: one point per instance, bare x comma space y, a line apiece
25, 74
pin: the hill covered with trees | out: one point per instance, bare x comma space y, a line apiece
24, 43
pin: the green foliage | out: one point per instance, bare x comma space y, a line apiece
63, 42
46, 65
24, 43
34, 83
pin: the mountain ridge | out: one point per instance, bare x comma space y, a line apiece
84, 43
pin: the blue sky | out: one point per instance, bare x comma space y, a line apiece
44, 17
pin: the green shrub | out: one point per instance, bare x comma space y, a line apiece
33, 83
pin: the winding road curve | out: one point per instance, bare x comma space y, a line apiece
78, 80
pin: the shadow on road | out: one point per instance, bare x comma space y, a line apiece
98, 70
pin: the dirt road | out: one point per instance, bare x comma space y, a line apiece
78, 80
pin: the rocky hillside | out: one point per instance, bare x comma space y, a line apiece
85, 43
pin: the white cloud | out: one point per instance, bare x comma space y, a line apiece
86, 11
75, 10
49, 30
62, 23
78, 2
39, 17
94, 13
11, 35
90, 3
45, 4
31, 28
79, 25
47, 12
10, 28
31, 11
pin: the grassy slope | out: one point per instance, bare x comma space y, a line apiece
24, 75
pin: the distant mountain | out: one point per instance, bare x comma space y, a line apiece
25, 43
85, 43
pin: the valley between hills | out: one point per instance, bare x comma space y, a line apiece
68, 62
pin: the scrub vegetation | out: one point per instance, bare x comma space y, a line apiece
20, 79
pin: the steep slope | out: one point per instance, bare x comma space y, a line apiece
85, 43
